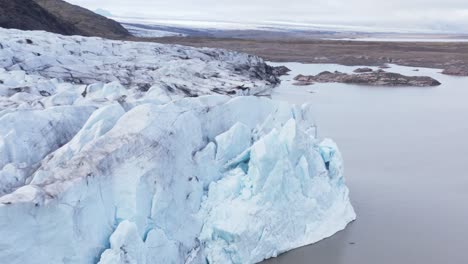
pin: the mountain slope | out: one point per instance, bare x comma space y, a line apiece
58, 17
28, 15
87, 22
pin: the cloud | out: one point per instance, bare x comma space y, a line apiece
424, 14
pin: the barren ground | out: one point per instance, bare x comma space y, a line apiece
418, 54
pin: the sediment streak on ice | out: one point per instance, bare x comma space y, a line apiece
109, 172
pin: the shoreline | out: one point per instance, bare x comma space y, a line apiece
436, 55
393, 195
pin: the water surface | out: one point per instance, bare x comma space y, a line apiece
386, 39
406, 164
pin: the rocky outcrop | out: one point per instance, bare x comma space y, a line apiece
57, 16
375, 78
363, 70
281, 70
456, 71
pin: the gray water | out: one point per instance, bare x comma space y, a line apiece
403, 39
406, 164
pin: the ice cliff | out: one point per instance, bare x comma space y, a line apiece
120, 152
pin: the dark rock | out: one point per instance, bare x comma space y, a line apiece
24, 89
122, 99
375, 78
85, 92
456, 71
281, 70
263, 71
144, 87
242, 87
362, 70
303, 80
44, 93
303, 83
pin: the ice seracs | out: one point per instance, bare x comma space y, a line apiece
158, 167
176, 69
96, 170
126, 246
279, 191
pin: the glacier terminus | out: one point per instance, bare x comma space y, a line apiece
127, 152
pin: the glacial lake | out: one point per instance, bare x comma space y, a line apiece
384, 39
406, 164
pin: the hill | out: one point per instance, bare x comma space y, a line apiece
28, 15
57, 16
87, 22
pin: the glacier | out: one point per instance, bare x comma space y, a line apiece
126, 152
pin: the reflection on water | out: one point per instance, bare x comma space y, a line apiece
406, 163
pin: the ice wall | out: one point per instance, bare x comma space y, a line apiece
213, 178
106, 172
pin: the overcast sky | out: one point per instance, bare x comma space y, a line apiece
424, 14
